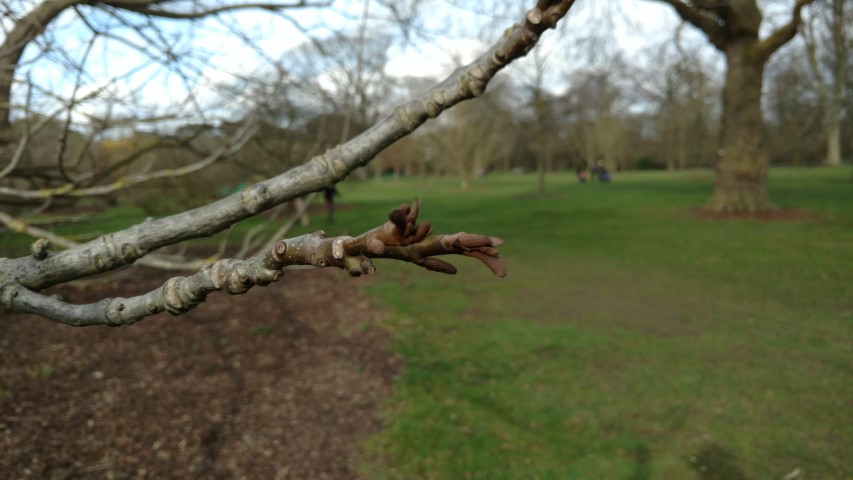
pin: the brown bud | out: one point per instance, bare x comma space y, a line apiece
470, 240
423, 231
495, 264
437, 265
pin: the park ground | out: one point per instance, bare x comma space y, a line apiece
634, 338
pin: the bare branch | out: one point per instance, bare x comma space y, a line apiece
69, 189
144, 7
124, 247
160, 261
22, 227
400, 238
783, 34
701, 20
300, 212
25, 31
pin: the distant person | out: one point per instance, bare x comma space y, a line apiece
581, 173
604, 175
329, 194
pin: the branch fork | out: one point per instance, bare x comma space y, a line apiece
399, 238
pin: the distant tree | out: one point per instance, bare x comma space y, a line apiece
680, 85
793, 113
401, 238
827, 36
473, 138
592, 110
733, 27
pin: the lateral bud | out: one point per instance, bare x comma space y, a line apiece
38, 249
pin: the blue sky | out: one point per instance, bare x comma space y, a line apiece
449, 32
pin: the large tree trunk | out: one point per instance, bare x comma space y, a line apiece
733, 28
741, 184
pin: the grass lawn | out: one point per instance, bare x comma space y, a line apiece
630, 340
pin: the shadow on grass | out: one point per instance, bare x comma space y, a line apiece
643, 469
714, 462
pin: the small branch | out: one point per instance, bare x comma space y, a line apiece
141, 7
46, 238
72, 103
69, 190
400, 238
701, 20
783, 34
297, 216
126, 246
24, 228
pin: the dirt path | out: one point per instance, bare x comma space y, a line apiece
280, 383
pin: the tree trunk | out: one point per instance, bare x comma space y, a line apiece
741, 184
833, 138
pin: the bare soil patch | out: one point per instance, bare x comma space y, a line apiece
280, 383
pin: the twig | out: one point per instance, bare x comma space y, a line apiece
400, 238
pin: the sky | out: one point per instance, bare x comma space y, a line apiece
447, 32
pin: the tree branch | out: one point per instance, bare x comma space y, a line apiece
45, 239
783, 34
400, 238
124, 247
25, 30
143, 7
70, 190
701, 20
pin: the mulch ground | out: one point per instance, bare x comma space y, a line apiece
280, 383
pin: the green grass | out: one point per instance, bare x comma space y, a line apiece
630, 340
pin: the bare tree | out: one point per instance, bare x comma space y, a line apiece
733, 28
827, 39
543, 118
473, 139
679, 83
793, 113
400, 238
597, 130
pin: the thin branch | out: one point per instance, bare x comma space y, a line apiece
45, 238
22, 227
69, 190
121, 248
400, 238
24, 141
303, 209
783, 34
185, 144
66, 129
142, 7
701, 20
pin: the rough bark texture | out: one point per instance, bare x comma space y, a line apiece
400, 238
741, 184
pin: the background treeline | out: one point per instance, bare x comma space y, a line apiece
656, 107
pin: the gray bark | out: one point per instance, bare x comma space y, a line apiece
22, 278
